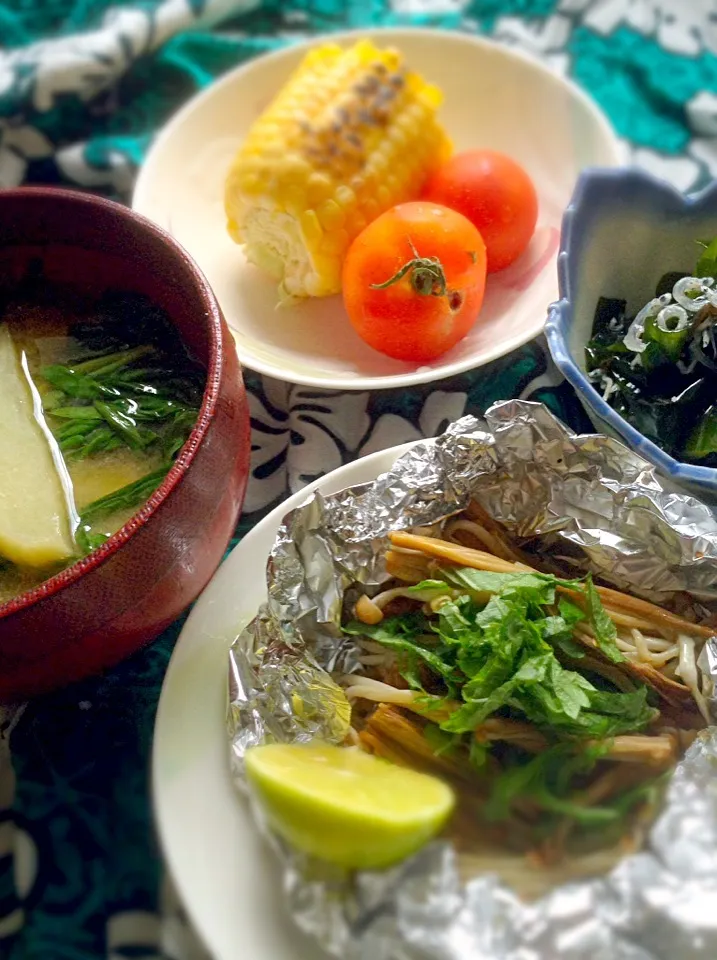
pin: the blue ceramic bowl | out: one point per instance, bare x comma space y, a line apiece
621, 232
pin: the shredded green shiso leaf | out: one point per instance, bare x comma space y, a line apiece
501, 645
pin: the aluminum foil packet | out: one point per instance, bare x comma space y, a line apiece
600, 507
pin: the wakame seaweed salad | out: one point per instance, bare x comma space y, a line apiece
658, 369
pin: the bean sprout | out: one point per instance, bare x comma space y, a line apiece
373, 659
687, 671
370, 646
645, 649
468, 526
369, 689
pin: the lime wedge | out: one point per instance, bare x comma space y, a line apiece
345, 806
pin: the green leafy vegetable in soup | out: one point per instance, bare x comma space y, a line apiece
658, 369
100, 396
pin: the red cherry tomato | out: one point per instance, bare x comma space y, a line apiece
413, 281
495, 194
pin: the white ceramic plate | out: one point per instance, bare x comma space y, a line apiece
225, 874
494, 97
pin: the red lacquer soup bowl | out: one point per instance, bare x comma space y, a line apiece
104, 607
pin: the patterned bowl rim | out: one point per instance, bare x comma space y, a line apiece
560, 313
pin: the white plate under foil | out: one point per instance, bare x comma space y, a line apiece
494, 97
225, 873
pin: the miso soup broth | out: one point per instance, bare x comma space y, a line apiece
98, 395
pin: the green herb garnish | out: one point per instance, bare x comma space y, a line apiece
707, 263
501, 645
109, 401
136, 388
129, 497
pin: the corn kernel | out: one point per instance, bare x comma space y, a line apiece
371, 208
320, 156
292, 199
370, 182
383, 196
318, 188
331, 216
251, 184
311, 228
344, 196
398, 137
335, 242
358, 224
293, 167
391, 184
271, 153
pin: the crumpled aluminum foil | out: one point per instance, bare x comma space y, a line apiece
602, 508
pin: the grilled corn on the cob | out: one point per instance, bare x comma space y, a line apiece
352, 133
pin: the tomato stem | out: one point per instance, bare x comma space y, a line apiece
427, 276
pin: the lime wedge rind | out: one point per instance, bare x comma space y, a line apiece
345, 806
